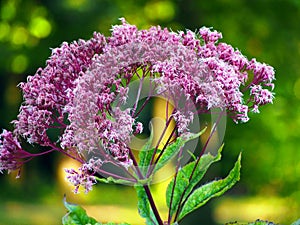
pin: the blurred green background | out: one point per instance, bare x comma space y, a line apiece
265, 29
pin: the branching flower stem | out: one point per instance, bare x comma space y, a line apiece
25, 154
146, 100
138, 96
159, 141
165, 145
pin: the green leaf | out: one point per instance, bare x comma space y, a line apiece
210, 190
173, 149
296, 222
76, 215
170, 151
144, 207
143, 204
110, 180
145, 159
185, 182
146, 154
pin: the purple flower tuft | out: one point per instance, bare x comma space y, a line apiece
11, 153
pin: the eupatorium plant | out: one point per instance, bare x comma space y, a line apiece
93, 94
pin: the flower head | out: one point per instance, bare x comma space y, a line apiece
45, 93
11, 153
83, 92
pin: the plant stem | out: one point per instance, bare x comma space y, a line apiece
152, 204
147, 190
138, 96
207, 141
165, 145
146, 101
158, 142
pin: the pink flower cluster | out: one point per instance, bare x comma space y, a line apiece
11, 152
83, 89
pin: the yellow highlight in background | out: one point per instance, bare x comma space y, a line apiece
19, 64
40, 27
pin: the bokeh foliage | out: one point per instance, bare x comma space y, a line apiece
265, 29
